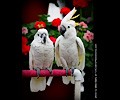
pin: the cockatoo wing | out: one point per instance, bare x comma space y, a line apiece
81, 53
57, 56
31, 58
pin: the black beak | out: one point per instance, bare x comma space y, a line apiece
62, 30
44, 39
43, 36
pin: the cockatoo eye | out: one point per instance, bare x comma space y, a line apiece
68, 26
38, 34
43, 35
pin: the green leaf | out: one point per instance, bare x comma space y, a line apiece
87, 54
89, 62
33, 31
29, 35
83, 19
85, 43
31, 25
48, 23
90, 47
44, 17
54, 33
90, 27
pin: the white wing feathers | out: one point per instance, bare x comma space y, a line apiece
30, 59
57, 56
81, 51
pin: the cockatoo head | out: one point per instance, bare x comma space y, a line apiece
67, 26
41, 36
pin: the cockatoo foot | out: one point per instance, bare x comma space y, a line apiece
66, 71
50, 70
72, 70
38, 71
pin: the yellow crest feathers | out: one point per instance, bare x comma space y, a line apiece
75, 16
77, 24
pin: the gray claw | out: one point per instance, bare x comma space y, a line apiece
50, 70
38, 72
72, 69
67, 71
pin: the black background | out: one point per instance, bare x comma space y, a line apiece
18, 87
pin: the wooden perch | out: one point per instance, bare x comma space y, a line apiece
55, 72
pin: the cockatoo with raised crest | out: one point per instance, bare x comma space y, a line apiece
41, 56
69, 49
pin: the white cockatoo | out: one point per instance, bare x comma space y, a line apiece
41, 56
69, 49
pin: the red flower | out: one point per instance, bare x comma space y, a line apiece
52, 39
24, 40
39, 24
65, 10
80, 3
25, 47
56, 22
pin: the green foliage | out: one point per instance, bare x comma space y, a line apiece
54, 33
43, 18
